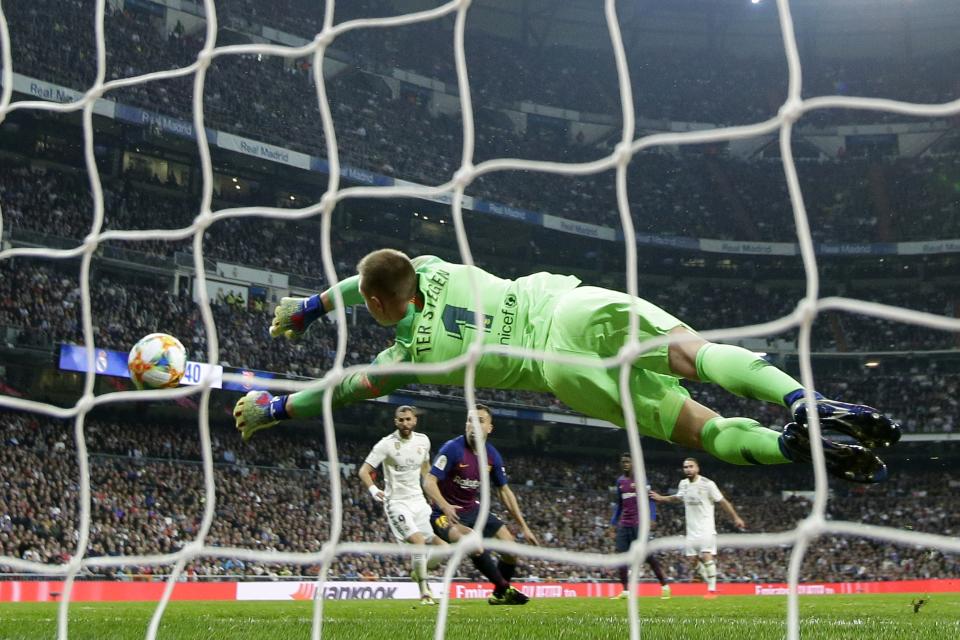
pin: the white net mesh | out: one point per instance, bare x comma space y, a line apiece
792, 109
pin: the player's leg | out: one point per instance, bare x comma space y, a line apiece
661, 575
654, 565
418, 572
423, 562
692, 553
422, 522
625, 537
482, 561
745, 441
735, 440
709, 564
745, 374
446, 530
593, 323
507, 565
596, 321
402, 519
508, 561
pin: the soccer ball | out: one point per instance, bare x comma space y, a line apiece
158, 361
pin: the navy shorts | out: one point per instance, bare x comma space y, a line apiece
442, 526
625, 536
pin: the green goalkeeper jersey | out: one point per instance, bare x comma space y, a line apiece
514, 313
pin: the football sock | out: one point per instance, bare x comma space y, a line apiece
623, 577
742, 372
702, 571
420, 567
507, 569
485, 565
710, 569
657, 570
741, 441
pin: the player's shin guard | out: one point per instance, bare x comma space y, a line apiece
710, 571
744, 373
486, 565
741, 441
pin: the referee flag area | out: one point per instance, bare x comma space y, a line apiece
111, 591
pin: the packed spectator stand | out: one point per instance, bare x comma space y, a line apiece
147, 493
845, 196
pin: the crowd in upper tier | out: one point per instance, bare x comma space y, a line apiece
849, 200
147, 497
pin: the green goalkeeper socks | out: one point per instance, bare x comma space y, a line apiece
741, 372
741, 441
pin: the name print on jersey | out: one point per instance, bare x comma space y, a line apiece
433, 288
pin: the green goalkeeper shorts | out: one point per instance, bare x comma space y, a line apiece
594, 323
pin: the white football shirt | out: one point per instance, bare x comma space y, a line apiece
402, 461
698, 501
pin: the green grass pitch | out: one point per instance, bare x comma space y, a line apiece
855, 617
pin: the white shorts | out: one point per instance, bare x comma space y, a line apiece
407, 517
701, 544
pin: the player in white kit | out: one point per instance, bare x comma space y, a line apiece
405, 456
699, 495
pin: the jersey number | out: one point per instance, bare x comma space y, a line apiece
455, 319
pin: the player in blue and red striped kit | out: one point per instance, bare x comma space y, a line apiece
626, 519
453, 485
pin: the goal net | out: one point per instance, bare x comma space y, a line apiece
197, 226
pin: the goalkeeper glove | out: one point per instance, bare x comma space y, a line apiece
259, 410
293, 316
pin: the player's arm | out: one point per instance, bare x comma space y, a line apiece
259, 410
366, 476
293, 316
432, 489
509, 500
732, 513
616, 512
657, 497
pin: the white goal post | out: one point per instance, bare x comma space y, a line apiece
811, 304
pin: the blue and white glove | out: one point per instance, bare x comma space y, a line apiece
259, 410
293, 316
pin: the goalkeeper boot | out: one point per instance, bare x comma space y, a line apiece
665, 592
847, 461
623, 595
865, 424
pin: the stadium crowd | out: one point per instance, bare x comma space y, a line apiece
123, 312
680, 84
848, 200
273, 495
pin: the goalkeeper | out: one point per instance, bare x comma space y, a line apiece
431, 304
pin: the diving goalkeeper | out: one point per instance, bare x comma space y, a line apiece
431, 304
